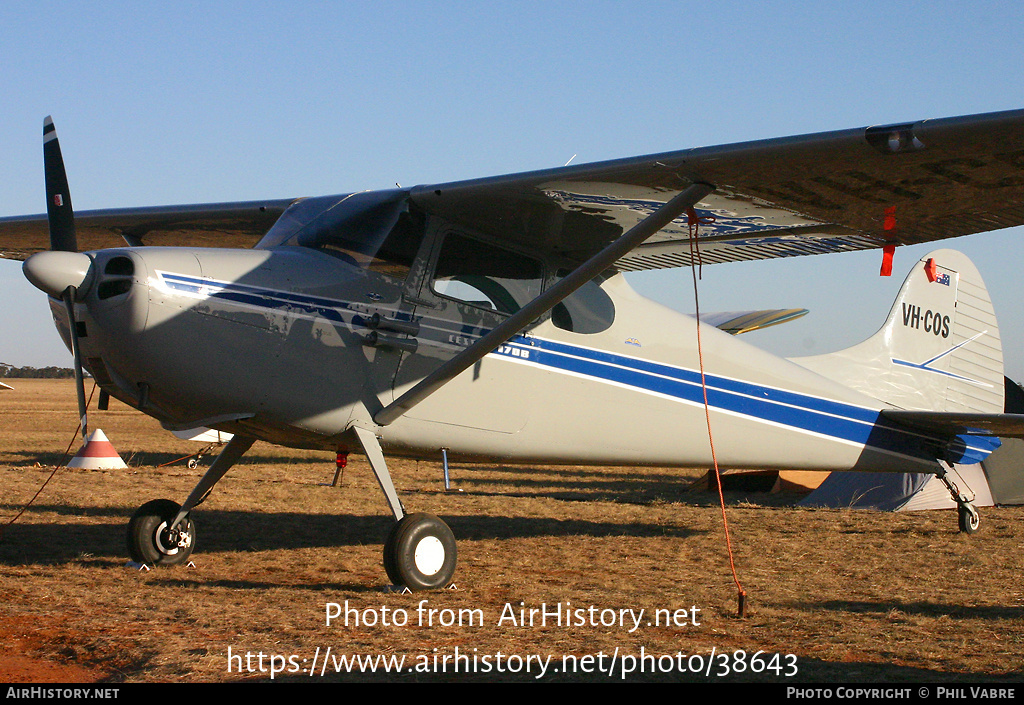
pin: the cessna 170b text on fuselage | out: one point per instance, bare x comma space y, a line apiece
491, 317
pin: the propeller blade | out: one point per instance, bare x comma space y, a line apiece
69, 304
61, 217
58, 198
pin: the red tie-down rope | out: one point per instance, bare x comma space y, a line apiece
695, 264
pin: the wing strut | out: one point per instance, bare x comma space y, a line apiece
545, 302
232, 452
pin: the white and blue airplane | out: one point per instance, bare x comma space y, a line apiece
491, 317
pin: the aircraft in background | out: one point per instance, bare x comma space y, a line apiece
491, 318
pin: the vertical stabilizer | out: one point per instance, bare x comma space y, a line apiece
939, 349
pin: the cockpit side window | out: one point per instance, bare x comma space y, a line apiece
485, 275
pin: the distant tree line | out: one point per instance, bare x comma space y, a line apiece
35, 372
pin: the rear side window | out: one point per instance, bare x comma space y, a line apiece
587, 310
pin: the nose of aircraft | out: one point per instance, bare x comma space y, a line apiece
54, 271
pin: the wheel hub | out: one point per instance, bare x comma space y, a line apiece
429, 555
169, 541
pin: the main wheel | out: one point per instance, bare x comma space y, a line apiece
420, 553
968, 518
151, 542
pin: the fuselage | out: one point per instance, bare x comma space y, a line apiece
294, 346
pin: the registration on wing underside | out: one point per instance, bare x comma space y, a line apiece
731, 227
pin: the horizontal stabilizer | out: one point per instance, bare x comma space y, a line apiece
736, 322
954, 423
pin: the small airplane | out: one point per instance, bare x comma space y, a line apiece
5, 386
491, 317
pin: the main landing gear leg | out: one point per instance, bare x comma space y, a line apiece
420, 550
161, 532
967, 515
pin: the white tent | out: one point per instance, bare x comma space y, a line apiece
898, 492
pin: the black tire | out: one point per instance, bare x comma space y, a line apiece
148, 539
968, 518
420, 553
390, 567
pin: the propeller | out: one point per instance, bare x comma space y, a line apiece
58, 199
62, 272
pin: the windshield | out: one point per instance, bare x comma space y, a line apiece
373, 230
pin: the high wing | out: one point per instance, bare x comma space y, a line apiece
207, 225
829, 192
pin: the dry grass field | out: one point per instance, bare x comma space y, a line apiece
836, 596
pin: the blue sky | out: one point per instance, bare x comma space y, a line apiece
161, 103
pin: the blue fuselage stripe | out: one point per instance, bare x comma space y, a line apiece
812, 414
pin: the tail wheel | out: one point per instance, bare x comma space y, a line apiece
151, 541
968, 518
420, 553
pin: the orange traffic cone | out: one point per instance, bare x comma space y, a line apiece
97, 454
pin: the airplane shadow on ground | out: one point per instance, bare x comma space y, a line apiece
569, 484
233, 531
